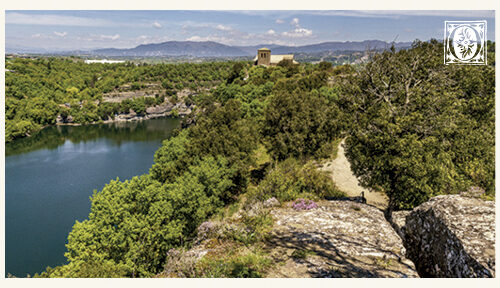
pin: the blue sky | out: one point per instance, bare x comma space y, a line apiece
70, 30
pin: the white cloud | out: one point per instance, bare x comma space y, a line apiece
223, 28
53, 20
110, 37
157, 25
146, 39
280, 21
398, 13
191, 25
271, 32
298, 33
38, 35
196, 38
60, 34
214, 38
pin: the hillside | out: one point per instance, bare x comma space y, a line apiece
258, 140
214, 49
176, 48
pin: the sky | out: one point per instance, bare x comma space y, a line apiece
64, 30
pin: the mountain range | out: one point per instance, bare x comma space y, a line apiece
214, 49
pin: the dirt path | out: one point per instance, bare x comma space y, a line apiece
340, 171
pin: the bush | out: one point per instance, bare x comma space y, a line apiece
298, 124
239, 265
133, 224
171, 158
289, 181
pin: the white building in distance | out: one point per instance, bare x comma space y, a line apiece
105, 61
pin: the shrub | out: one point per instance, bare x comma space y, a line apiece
298, 123
133, 224
289, 181
247, 264
302, 254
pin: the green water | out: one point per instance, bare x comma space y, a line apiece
50, 176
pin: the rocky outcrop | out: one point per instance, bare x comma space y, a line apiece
117, 97
341, 239
335, 239
398, 221
451, 236
158, 111
62, 120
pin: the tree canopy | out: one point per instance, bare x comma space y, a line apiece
420, 128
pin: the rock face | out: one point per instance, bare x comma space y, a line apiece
452, 236
398, 222
160, 109
337, 239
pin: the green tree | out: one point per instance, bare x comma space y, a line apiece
298, 124
412, 122
224, 131
133, 224
171, 158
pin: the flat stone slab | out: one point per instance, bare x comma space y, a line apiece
337, 239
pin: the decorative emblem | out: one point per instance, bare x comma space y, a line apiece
465, 42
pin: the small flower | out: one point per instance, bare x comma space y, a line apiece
303, 204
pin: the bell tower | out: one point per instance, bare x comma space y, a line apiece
264, 57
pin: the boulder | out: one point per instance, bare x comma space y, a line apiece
452, 236
336, 239
398, 221
159, 109
271, 202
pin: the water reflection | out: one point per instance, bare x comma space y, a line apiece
118, 132
49, 178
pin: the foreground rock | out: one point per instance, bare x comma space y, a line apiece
337, 239
451, 236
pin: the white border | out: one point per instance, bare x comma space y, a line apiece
221, 5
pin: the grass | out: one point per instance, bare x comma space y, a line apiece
236, 262
383, 263
302, 254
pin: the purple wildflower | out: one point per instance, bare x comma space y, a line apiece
304, 204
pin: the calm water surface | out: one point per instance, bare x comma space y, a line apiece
49, 178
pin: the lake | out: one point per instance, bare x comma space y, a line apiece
50, 176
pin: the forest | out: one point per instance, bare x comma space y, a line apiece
413, 128
38, 90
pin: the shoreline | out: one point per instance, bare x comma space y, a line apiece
122, 119
128, 117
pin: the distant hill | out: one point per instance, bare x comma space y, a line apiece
176, 48
214, 49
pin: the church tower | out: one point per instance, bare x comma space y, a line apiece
264, 56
